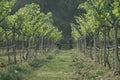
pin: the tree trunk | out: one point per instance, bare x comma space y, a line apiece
108, 53
6, 36
91, 56
101, 56
80, 44
95, 52
36, 42
105, 60
23, 48
28, 48
52, 45
85, 47
21, 55
14, 48
116, 57
41, 47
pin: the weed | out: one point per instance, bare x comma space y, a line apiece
14, 72
38, 62
49, 57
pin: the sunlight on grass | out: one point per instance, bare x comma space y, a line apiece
58, 69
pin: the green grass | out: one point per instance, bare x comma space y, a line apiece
57, 69
87, 69
59, 65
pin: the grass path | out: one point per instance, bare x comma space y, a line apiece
57, 69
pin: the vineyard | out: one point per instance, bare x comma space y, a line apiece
79, 45
98, 30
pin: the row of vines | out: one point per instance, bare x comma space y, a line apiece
28, 32
96, 32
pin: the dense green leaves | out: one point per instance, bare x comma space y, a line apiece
30, 21
5, 8
29, 27
101, 20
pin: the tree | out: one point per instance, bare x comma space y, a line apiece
102, 16
63, 12
5, 9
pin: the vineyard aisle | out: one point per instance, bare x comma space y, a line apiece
58, 69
